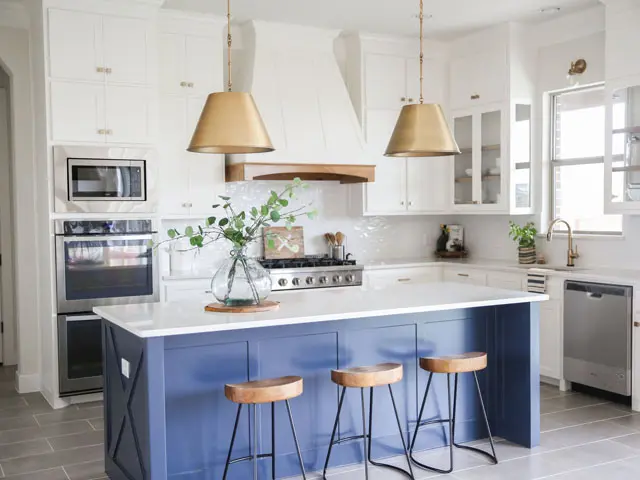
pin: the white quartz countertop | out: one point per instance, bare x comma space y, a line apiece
300, 307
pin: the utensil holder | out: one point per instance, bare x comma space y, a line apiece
337, 252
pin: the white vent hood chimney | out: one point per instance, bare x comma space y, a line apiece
295, 80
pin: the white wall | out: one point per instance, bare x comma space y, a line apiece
14, 55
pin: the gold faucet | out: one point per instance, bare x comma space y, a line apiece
571, 254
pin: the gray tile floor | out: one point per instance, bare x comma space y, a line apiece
39, 443
584, 438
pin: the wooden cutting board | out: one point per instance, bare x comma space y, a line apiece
287, 243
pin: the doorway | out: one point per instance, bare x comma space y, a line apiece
6, 234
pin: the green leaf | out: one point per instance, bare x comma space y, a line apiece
275, 215
224, 198
217, 205
312, 214
200, 230
242, 215
188, 231
223, 222
264, 210
151, 244
254, 212
172, 233
271, 243
283, 202
211, 221
239, 224
193, 242
288, 226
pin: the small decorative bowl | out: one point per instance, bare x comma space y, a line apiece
469, 172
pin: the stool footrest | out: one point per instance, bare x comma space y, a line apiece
250, 457
432, 422
349, 439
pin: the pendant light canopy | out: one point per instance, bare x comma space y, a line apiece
230, 121
422, 129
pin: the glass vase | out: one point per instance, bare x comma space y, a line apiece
241, 281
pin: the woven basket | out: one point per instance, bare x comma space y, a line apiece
527, 255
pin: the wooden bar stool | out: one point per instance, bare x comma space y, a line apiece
367, 377
257, 392
466, 363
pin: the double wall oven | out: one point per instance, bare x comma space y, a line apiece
98, 262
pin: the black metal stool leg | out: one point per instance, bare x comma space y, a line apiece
385, 465
255, 442
424, 402
233, 439
333, 433
295, 439
273, 440
364, 438
493, 458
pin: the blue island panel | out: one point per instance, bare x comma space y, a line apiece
170, 418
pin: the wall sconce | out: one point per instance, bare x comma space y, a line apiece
575, 71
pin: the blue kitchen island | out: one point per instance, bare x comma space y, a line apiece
165, 367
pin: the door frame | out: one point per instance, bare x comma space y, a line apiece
7, 278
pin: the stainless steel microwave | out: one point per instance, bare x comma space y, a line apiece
104, 180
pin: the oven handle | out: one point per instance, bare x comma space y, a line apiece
101, 238
82, 318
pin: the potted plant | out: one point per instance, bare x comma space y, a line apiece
526, 237
241, 280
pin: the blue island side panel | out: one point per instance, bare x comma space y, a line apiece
197, 420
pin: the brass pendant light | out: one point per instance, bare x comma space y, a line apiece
422, 129
230, 121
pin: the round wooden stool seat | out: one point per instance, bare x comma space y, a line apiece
264, 391
372, 376
467, 362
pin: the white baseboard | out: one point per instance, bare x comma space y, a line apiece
27, 383
55, 401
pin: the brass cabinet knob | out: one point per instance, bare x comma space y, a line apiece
403, 99
109, 132
190, 84
183, 84
108, 71
475, 97
100, 69
410, 203
410, 100
401, 203
636, 324
102, 131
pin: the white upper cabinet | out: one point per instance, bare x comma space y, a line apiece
75, 45
93, 47
479, 79
77, 111
189, 64
622, 38
128, 114
385, 79
125, 46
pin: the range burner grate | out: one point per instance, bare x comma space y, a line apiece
306, 262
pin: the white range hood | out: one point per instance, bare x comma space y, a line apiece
294, 77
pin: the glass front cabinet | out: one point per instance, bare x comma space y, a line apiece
493, 172
622, 147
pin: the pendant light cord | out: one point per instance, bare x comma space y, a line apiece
229, 83
421, 51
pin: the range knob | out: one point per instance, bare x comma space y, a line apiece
310, 280
295, 281
323, 280
337, 278
349, 278
282, 282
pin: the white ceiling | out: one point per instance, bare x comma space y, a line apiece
450, 17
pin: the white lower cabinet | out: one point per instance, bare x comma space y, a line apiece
176, 290
465, 275
551, 339
378, 279
506, 281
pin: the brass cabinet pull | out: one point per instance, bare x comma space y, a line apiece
187, 204
108, 71
404, 279
410, 203
109, 132
476, 202
401, 203
190, 84
636, 324
403, 99
100, 69
411, 100
463, 274
183, 84
102, 131
475, 97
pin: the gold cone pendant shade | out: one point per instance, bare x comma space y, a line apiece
422, 131
230, 123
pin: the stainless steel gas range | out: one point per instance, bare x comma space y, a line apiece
312, 272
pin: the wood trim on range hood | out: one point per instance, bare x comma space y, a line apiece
239, 172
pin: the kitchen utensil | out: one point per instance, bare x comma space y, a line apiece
340, 237
330, 238
469, 172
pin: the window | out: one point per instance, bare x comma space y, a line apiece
577, 161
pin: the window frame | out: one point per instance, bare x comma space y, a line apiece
554, 163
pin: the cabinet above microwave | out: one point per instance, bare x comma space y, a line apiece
105, 180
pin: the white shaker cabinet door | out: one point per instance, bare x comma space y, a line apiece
426, 185
128, 112
77, 112
385, 81
75, 51
203, 65
551, 339
171, 62
126, 46
388, 193
174, 169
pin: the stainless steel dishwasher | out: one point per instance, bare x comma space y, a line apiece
597, 335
